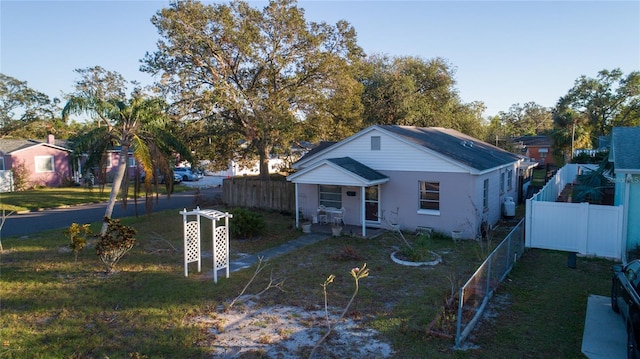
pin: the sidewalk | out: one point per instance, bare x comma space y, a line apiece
248, 261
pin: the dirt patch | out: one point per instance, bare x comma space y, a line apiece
287, 332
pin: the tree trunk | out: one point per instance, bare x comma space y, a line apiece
264, 150
115, 186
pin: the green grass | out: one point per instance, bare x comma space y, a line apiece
51, 306
60, 197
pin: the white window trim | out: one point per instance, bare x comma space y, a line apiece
51, 160
429, 212
2, 163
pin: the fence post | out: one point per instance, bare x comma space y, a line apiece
459, 319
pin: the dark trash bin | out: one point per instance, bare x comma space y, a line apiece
571, 261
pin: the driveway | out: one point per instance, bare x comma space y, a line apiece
604, 335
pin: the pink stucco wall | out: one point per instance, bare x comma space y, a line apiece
61, 165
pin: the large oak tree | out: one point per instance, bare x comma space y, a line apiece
254, 75
611, 99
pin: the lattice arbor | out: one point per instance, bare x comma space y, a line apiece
220, 239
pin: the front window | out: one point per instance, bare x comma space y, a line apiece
132, 161
509, 180
1, 163
430, 195
44, 164
330, 196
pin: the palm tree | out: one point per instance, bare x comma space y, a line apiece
139, 124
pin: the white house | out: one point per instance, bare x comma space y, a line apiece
407, 176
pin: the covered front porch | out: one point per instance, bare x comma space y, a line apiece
345, 186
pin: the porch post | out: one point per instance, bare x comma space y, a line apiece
363, 215
297, 204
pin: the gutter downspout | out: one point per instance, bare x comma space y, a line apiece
625, 217
297, 207
362, 213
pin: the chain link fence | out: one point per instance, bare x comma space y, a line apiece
478, 290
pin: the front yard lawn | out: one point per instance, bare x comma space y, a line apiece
52, 306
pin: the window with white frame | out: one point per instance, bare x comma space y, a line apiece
429, 195
330, 196
44, 164
132, 161
485, 194
1, 163
509, 180
375, 143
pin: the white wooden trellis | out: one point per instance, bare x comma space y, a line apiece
220, 239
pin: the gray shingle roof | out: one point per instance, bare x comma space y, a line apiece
357, 168
624, 142
455, 145
8, 145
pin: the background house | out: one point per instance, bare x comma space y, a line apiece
47, 163
626, 160
410, 177
537, 148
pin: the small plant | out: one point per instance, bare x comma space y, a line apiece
115, 243
246, 224
357, 274
78, 235
420, 251
20, 177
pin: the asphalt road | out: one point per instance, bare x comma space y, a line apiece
24, 224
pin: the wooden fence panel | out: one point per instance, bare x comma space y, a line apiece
254, 193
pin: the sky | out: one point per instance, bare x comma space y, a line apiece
503, 52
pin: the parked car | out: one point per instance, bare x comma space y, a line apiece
186, 174
626, 301
177, 178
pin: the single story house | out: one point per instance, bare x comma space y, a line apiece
407, 177
537, 148
626, 160
48, 162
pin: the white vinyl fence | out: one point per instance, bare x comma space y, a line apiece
583, 228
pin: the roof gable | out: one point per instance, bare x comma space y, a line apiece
624, 149
339, 171
9, 146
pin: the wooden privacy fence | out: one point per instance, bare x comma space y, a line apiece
255, 193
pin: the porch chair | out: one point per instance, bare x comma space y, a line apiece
322, 214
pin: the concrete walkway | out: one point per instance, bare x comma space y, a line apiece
604, 334
248, 261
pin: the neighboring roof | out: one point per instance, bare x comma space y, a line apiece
455, 145
534, 141
343, 171
319, 147
10, 145
624, 149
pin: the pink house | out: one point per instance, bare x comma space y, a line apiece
48, 162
